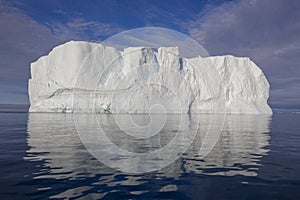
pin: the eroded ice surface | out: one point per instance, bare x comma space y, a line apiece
90, 77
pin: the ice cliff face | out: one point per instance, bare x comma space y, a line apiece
90, 77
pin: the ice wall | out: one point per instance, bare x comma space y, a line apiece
90, 77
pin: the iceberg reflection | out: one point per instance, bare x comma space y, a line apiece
53, 139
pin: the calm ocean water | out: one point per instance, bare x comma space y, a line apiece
44, 156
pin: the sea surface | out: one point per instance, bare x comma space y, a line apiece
63, 156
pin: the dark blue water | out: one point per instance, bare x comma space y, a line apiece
256, 157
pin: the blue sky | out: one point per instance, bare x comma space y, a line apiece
267, 31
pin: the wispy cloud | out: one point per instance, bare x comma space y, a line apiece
80, 28
23, 40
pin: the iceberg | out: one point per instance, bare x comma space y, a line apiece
87, 77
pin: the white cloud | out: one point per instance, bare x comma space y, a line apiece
267, 31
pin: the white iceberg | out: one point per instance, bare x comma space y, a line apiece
92, 78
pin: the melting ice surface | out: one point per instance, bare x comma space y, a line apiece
92, 78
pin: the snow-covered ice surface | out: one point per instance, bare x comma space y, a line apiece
92, 78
